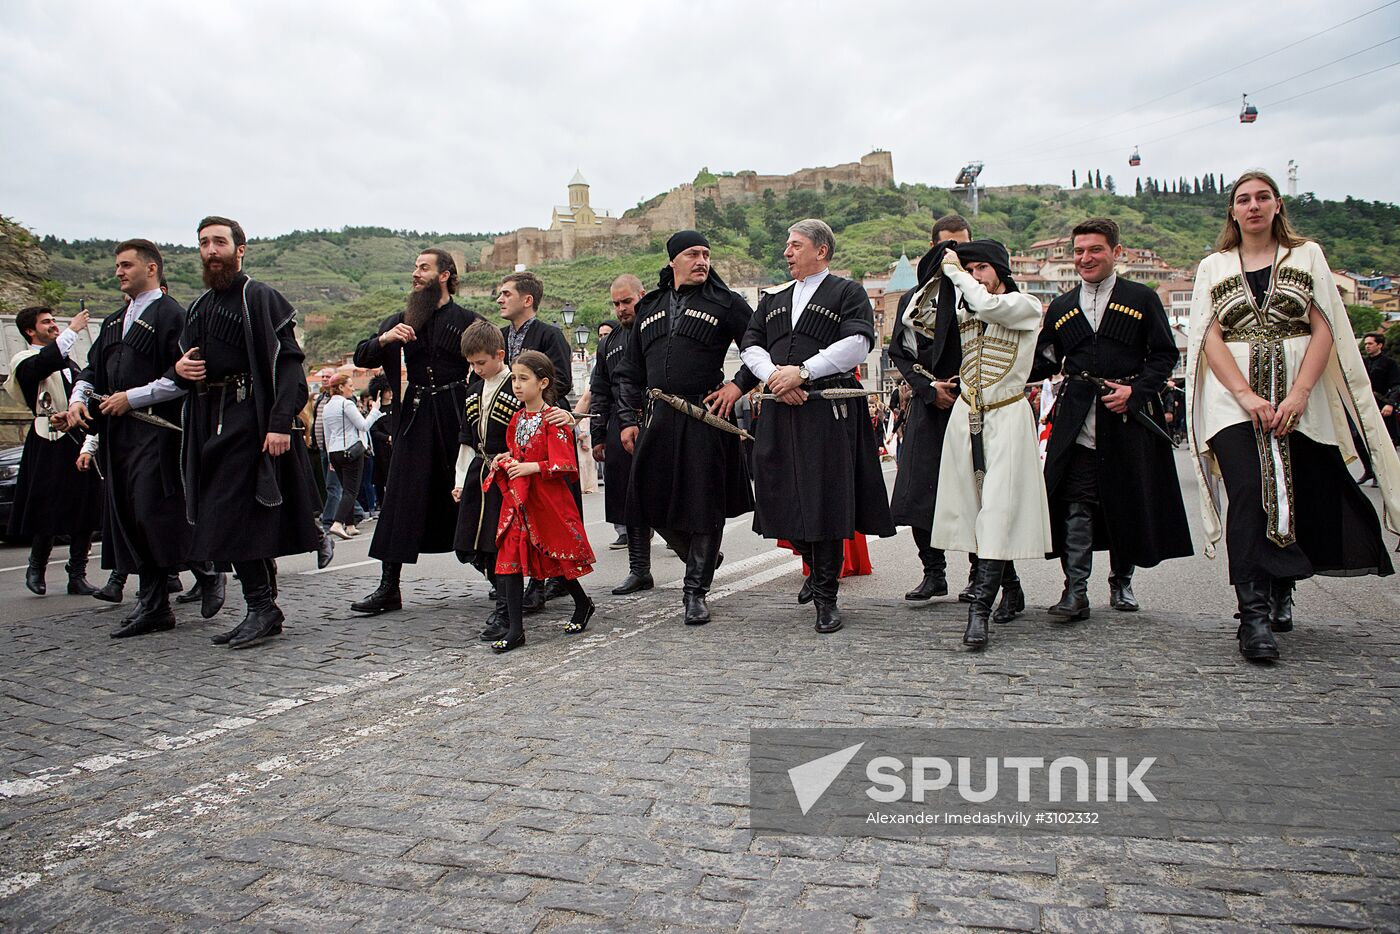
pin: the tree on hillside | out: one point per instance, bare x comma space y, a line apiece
1364, 319
1098, 179
1109, 186
1139, 185
1073, 179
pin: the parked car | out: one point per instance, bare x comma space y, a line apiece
9, 478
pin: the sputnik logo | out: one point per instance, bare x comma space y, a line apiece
810, 780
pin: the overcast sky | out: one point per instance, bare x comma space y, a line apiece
137, 118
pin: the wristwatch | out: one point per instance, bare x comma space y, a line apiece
804, 373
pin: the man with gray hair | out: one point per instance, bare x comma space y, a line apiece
810, 335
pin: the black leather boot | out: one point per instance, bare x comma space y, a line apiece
173, 584
638, 563
212, 586
1120, 588
1077, 562
111, 591
805, 593
325, 549
935, 563
153, 612
989, 575
1281, 606
699, 575
969, 593
264, 619
553, 588
39, 551
78, 552
1013, 598
826, 561
386, 596
1257, 642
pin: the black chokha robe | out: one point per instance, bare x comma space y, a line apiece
418, 515
817, 473
144, 526
1140, 518
479, 511
244, 504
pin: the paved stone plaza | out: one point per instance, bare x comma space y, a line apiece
392, 774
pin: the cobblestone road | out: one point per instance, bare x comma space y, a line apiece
393, 774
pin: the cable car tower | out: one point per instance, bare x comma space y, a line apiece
967, 178
1292, 179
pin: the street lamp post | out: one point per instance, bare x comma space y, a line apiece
568, 314
581, 338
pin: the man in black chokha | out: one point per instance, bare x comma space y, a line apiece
817, 477
606, 411
130, 365
248, 489
419, 515
1109, 471
688, 475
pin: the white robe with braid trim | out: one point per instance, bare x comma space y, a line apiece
1011, 521
1343, 389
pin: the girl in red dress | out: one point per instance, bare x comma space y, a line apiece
540, 534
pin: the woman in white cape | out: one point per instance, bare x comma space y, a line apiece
1273, 375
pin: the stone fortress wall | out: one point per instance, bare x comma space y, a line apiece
575, 230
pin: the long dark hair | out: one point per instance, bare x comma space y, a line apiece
543, 368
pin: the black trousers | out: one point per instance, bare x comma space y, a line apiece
351, 471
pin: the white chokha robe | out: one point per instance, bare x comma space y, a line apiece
1011, 519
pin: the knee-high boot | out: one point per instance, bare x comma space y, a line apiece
638, 562
39, 550
1013, 598
1120, 586
1078, 563
78, 550
989, 574
1257, 642
827, 558
699, 575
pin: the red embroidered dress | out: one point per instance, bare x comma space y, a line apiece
540, 533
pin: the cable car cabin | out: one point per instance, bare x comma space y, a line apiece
1248, 112
1135, 159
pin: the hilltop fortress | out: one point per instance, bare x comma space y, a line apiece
575, 229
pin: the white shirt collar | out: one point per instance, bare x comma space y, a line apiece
141, 302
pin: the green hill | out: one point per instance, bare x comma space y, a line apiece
345, 282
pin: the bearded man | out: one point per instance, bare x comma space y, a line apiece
248, 488
419, 515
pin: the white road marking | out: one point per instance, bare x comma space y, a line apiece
25, 567
338, 567
156, 818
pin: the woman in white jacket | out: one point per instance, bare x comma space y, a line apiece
347, 436
1273, 374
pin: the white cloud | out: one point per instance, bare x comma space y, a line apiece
138, 118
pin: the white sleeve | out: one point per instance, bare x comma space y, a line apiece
464, 460
66, 339
841, 357
81, 390
1016, 311
90, 445
759, 362
154, 393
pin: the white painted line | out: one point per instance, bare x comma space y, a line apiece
206, 798
737, 567
25, 567
339, 567
49, 778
